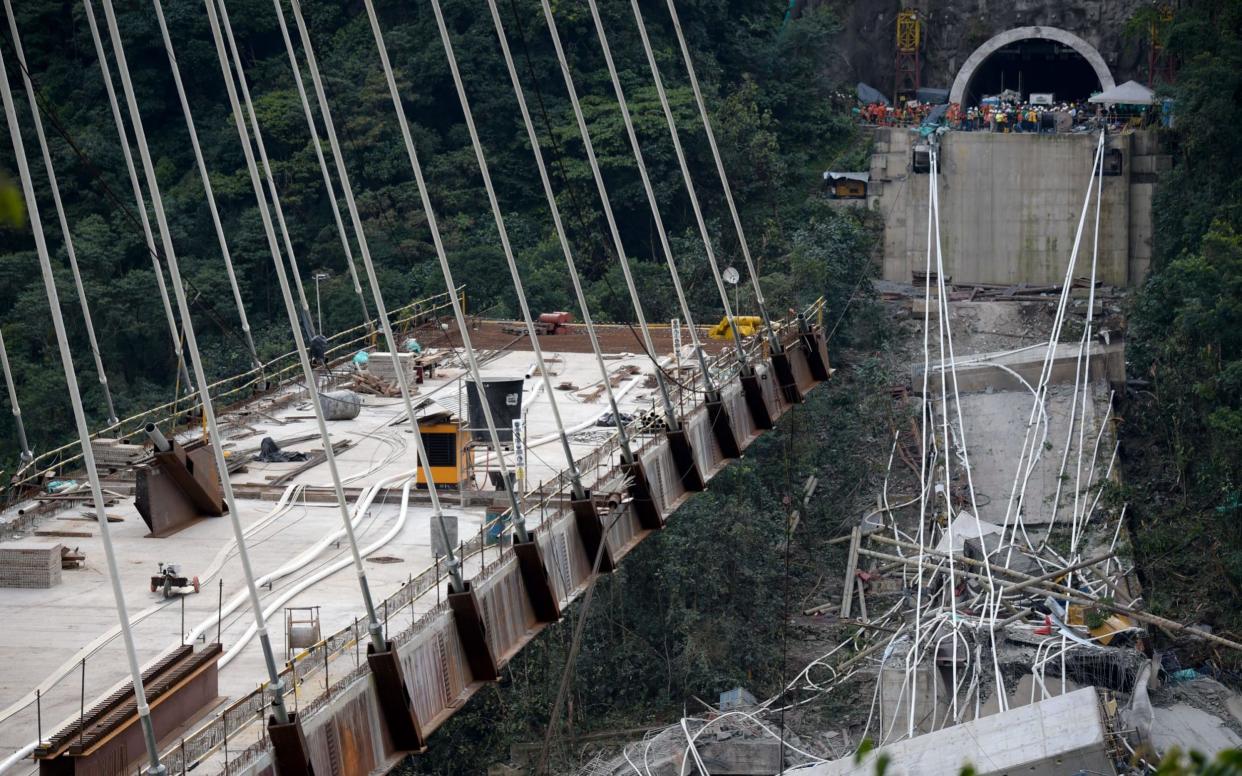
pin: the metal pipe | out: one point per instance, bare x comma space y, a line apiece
157, 438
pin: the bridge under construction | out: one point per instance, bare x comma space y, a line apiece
410, 501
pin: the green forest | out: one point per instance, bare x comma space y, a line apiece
775, 122
721, 606
1182, 429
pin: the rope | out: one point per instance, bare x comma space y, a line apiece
403, 382
773, 341
323, 167
559, 225
673, 421
207, 189
308, 371
275, 686
60, 214
579, 492
685, 176
519, 520
79, 414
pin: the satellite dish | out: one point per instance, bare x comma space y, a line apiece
731, 277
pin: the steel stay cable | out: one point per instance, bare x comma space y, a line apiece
511, 262
27, 455
323, 169
661, 232
206, 180
316, 401
588, 147
267, 171
66, 234
689, 181
276, 685
773, 341
79, 416
519, 520
453, 563
562, 238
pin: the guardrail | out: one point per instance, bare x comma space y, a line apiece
225, 392
315, 661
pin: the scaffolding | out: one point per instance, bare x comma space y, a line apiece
906, 64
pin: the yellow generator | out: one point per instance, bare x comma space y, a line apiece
447, 443
747, 325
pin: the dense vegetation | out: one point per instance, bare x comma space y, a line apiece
775, 121
1183, 427
696, 610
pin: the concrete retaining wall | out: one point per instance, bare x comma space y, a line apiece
1010, 205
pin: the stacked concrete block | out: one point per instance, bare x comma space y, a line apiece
382, 366
111, 453
30, 565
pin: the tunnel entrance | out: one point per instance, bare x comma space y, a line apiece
1033, 66
1028, 60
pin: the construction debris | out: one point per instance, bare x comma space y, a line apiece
373, 385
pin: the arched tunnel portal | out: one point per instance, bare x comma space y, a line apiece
1032, 60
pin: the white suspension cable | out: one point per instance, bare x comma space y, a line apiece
773, 341
636, 148
147, 234
403, 382
1018, 491
519, 520
514, 274
36, 113
661, 382
323, 169
948, 442
923, 456
276, 684
308, 372
267, 172
1086, 378
79, 417
207, 189
943, 293
685, 176
550, 195
26, 455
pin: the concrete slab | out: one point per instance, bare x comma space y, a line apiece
66, 638
1191, 729
1051, 738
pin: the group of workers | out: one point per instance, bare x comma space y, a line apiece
881, 114
990, 116
1017, 117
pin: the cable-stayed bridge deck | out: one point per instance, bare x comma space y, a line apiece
62, 647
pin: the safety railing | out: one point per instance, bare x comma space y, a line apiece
316, 661
225, 392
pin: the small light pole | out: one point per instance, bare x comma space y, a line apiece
318, 275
